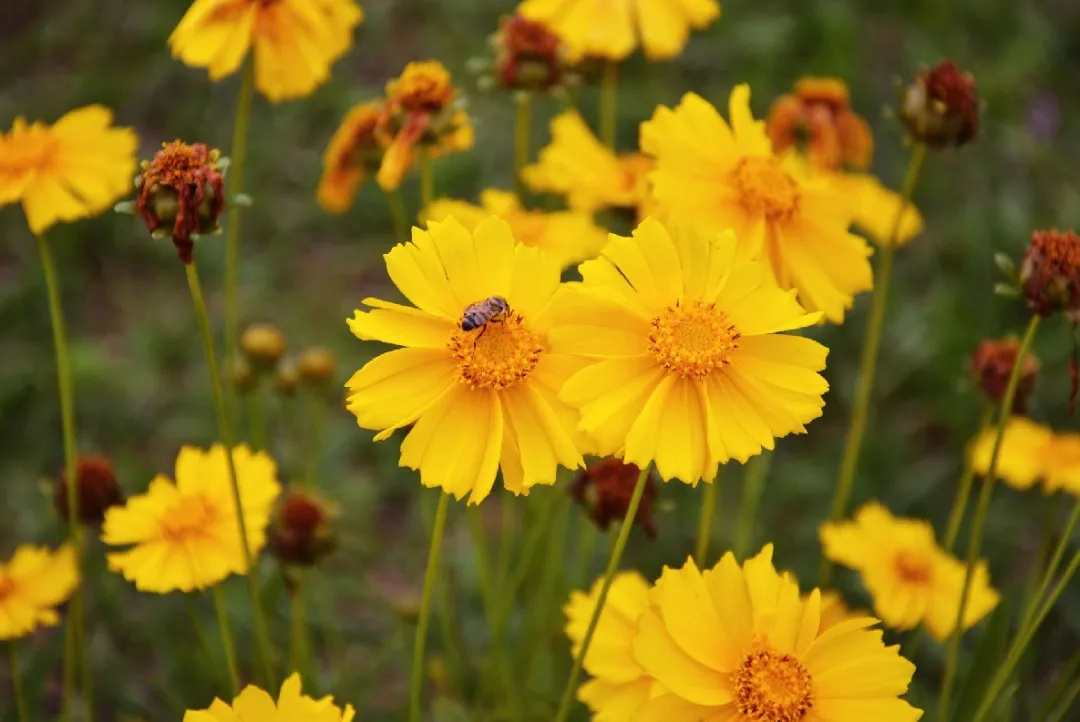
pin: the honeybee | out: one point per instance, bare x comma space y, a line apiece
493, 309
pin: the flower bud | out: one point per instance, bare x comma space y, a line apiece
263, 344
287, 377
992, 364
604, 490
316, 366
243, 378
941, 107
97, 490
1050, 273
302, 533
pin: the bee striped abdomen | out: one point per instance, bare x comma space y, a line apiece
483, 312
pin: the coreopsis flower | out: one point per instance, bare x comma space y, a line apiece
912, 580
719, 176
687, 362
255, 705
302, 531
477, 377
421, 111
75, 168
96, 490
738, 643
992, 365
1050, 273
613, 30
941, 107
32, 585
834, 610
875, 208
817, 119
604, 490
354, 154
1022, 459
567, 237
577, 165
528, 55
1063, 463
184, 534
294, 41
619, 685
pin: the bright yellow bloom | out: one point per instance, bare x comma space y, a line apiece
737, 644
1063, 463
184, 534
353, 155
612, 29
295, 41
32, 585
911, 579
719, 176
619, 685
1025, 454
687, 362
875, 208
255, 705
74, 169
566, 237
835, 610
479, 399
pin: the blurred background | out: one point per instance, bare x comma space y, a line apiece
140, 374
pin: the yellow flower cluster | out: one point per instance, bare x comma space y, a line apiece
255, 705
1030, 453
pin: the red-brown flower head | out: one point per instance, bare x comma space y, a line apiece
604, 490
941, 107
1050, 273
992, 364
528, 54
97, 490
818, 117
423, 86
302, 533
182, 185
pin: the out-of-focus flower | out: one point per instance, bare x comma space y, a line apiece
1050, 273
316, 366
96, 490
353, 155
301, 532
612, 29
719, 176
941, 107
477, 378
688, 365
32, 585
528, 54
604, 490
294, 41
287, 378
1063, 463
876, 207
184, 535
567, 237
73, 169
255, 705
992, 365
911, 579
817, 119
263, 344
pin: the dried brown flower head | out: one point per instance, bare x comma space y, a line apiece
263, 344
604, 489
528, 55
941, 106
1050, 273
97, 490
817, 116
302, 532
992, 364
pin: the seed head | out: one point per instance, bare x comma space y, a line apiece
97, 490
992, 364
1050, 273
287, 377
941, 107
604, 490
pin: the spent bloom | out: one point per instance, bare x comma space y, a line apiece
941, 107
528, 54
75, 168
1050, 273
354, 154
255, 705
911, 579
302, 532
184, 535
294, 42
816, 117
992, 365
476, 377
604, 490
96, 490
718, 175
32, 585
688, 364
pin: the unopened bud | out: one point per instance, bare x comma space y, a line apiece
97, 490
263, 344
316, 366
941, 107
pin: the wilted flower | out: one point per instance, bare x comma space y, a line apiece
354, 154
263, 344
604, 490
1050, 273
301, 532
992, 364
528, 54
817, 118
255, 705
32, 585
96, 491
941, 107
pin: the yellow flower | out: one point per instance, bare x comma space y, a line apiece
184, 534
353, 155
720, 176
566, 237
32, 585
687, 363
911, 579
1025, 452
576, 164
875, 208
1063, 463
613, 29
479, 399
739, 644
295, 41
74, 169
834, 610
255, 705
619, 685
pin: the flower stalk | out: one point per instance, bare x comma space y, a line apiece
753, 487
398, 215
963, 489
226, 641
705, 520
238, 162
416, 685
16, 683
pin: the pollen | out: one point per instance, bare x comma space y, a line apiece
496, 355
188, 518
772, 687
766, 188
912, 568
423, 85
693, 339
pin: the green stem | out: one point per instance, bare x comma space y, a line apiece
705, 520
256, 422
609, 576
868, 361
398, 215
551, 591
68, 679
506, 543
586, 549
963, 489
237, 163
226, 640
316, 412
522, 131
225, 433
299, 633
79, 610
416, 686
978, 523
16, 683
427, 180
1062, 694
200, 633
753, 487
609, 94
483, 573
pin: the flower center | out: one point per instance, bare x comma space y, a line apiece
693, 339
772, 687
27, 149
422, 86
497, 354
766, 188
912, 568
7, 587
189, 517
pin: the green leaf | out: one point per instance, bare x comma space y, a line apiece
1006, 264
449, 710
1007, 290
987, 658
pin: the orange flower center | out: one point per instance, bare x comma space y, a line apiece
772, 687
766, 188
189, 517
422, 86
27, 149
693, 339
496, 355
912, 568
7, 587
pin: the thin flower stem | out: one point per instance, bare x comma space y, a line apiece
963, 489
77, 657
522, 131
609, 576
200, 633
427, 180
868, 362
68, 679
300, 633
978, 523
609, 96
1062, 694
237, 166
225, 433
226, 640
506, 543
16, 683
416, 686
483, 573
398, 215
753, 487
586, 549
316, 413
256, 421
705, 520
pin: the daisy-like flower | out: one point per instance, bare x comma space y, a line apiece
255, 705
875, 208
911, 579
481, 396
566, 237
184, 534
613, 29
834, 610
295, 41
687, 362
32, 585
738, 644
353, 155
1024, 455
73, 169
720, 176
1063, 463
